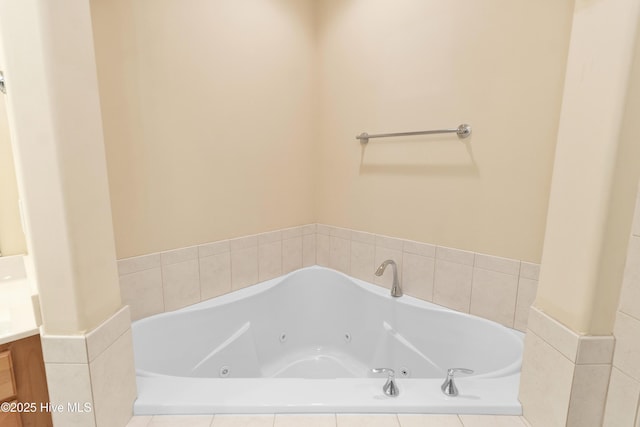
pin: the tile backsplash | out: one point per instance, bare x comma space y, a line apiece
495, 288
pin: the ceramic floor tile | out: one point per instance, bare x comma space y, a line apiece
307, 420
328, 420
525, 422
491, 421
139, 421
181, 421
354, 420
243, 421
423, 420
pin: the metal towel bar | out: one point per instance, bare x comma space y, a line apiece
462, 131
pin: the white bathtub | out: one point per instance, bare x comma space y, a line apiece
305, 342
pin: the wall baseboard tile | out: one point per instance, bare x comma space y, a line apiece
565, 376
495, 288
96, 369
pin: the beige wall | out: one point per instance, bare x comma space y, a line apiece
597, 166
207, 110
415, 65
11, 236
211, 122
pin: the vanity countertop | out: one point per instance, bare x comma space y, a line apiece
17, 319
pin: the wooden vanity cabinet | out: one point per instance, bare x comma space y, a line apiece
23, 381
10, 419
8, 390
7, 380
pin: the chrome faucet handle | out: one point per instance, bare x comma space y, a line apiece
448, 387
390, 388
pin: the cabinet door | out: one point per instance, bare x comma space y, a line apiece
29, 379
7, 381
10, 419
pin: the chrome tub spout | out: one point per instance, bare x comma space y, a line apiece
396, 289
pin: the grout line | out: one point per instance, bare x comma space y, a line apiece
627, 314
179, 418
91, 391
515, 307
199, 281
108, 347
435, 285
550, 346
315, 246
605, 399
231, 269
473, 271
164, 305
282, 256
524, 421
637, 417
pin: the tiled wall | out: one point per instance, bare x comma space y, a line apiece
564, 375
623, 406
583, 381
496, 288
170, 280
96, 368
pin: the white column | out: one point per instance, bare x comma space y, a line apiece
569, 342
54, 115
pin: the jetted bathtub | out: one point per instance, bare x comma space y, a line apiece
306, 342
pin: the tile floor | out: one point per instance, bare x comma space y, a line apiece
328, 420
